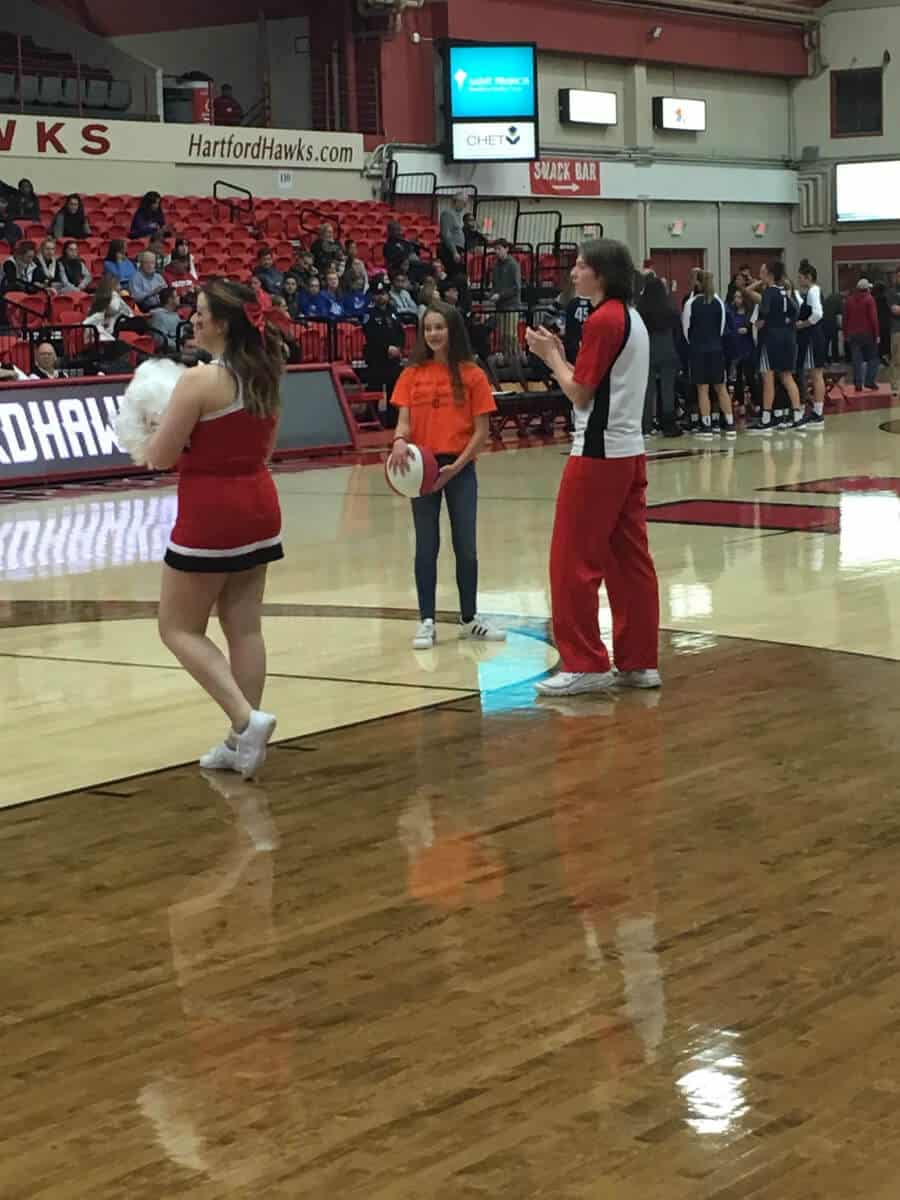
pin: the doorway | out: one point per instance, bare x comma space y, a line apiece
676, 266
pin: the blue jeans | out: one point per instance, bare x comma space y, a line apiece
863, 350
462, 506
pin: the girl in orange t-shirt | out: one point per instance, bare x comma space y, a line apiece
444, 401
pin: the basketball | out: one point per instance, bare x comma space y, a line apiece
419, 479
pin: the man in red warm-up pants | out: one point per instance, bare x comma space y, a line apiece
600, 532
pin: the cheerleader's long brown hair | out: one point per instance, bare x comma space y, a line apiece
254, 358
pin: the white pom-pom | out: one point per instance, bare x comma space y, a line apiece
144, 403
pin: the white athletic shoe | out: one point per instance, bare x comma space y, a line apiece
251, 744
573, 683
426, 635
220, 758
481, 630
638, 679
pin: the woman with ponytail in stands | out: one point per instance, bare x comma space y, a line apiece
703, 321
71, 220
220, 429
777, 341
812, 350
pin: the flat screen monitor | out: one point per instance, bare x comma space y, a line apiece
868, 191
577, 106
678, 115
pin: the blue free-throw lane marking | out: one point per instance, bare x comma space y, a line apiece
492, 82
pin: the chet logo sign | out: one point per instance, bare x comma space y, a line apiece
54, 137
565, 177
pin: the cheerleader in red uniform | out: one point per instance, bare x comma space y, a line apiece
220, 429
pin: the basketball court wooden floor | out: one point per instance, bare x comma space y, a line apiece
458, 943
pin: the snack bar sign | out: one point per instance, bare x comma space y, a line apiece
565, 177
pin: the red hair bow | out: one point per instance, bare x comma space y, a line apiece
256, 315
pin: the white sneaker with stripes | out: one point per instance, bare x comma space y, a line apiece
479, 629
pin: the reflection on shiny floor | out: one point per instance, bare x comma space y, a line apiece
459, 944
635, 948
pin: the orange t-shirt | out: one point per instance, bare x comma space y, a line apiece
436, 420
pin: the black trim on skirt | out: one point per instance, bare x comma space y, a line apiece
203, 565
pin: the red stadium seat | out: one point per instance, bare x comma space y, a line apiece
30, 309
70, 308
15, 350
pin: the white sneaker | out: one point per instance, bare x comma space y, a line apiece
481, 630
251, 744
572, 683
220, 758
426, 636
638, 679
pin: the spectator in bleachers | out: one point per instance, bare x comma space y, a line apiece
453, 235
165, 320
401, 297
149, 217
263, 299
72, 274
312, 302
334, 299
20, 269
106, 308
71, 220
182, 249
428, 293
10, 232
475, 239
402, 253
291, 293
304, 268
9, 373
24, 203
146, 283
506, 279
325, 250
46, 363
47, 263
451, 294
118, 263
384, 350
266, 271
356, 301
178, 276
156, 244
354, 264
354, 273
226, 110
506, 284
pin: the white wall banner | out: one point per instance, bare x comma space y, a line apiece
191, 145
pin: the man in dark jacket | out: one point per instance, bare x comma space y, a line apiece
384, 351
